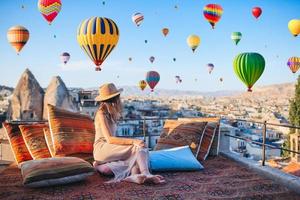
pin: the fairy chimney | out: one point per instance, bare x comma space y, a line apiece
27, 99
58, 95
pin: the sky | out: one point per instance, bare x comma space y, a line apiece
268, 36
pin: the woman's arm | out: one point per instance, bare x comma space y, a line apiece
106, 131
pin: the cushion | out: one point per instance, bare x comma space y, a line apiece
55, 171
180, 133
48, 139
33, 135
175, 159
17, 143
71, 132
207, 140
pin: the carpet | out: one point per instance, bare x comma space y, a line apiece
221, 179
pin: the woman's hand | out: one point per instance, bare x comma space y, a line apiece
139, 143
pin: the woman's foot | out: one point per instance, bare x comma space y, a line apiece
156, 179
136, 178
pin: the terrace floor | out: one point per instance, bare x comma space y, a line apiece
221, 179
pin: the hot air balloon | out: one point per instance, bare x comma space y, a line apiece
174, 59
146, 41
142, 84
294, 27
98, 36
17, 36
152, 78
165, 31
49, 9
236, 37
249, 67
65, 57
256, 12
103, 2
213, 13
193, 41
221, 79
130, 59
138, 18
294, 64
151, 59
210, 67
178, 79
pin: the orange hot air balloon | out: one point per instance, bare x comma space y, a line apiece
165, 31
142, 84
17, 36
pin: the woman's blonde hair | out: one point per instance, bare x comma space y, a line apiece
112, 108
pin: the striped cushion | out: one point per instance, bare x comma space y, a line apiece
71, 132
48, 139
33, 136
18, 146
207, 140
180, 133
55, 171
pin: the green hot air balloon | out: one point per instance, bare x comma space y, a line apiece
249, 67
236, 37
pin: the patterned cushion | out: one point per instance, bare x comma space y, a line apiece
71, 132
33, 136
18, 146
179, 133
55, 171
48, 139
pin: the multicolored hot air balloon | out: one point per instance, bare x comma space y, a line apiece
212, 13
98, 36
256, 12
178, 79
294, 64
249, 67
151, 59
138, 18
65, 57
193, 41
49, 9
236, 37
165, 31
142, 84
294, 27
17, 36
152, 78
210, 67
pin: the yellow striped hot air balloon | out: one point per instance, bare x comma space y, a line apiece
142, 84
193, 41
294, 64
17, 36
98, 36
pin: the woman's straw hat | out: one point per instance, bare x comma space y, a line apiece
108, 91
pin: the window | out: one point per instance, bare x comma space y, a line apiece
31, 115
294, 146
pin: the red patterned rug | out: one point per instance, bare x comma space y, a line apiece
221, 179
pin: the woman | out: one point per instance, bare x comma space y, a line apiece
126, 159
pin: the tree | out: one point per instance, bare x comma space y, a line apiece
294, 115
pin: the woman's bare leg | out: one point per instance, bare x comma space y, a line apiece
136, 176
142, 161
103, 169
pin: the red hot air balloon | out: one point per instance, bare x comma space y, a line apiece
256, 12
152, 78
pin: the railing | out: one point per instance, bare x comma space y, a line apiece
264, 134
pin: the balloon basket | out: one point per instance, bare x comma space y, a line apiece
97, 69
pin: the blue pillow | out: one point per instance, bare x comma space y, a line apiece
175, 159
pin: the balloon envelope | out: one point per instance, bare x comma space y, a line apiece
138, 18
249, 67
142, 84
17, 36
152, 58
256, 12
65, 57
165, 31
294, 64
212, 13
152, 78
49, 9
98, 36
193, 41
294, 27
236, 37
210, 67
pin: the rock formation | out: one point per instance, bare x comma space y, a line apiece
27, 99
57, 94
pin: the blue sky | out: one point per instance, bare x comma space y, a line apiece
268, 36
